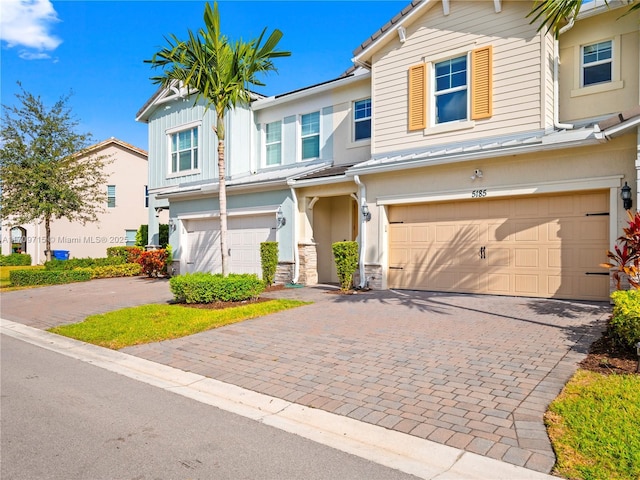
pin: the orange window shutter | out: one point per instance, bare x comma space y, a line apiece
482, 83
418, 97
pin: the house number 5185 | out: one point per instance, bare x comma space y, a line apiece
478, 193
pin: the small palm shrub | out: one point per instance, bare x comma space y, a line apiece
346, 257
269, 261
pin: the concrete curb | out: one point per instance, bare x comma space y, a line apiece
407, 453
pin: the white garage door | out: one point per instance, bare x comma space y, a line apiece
244, 235
543, 246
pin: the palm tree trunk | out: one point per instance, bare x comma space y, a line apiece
222, 197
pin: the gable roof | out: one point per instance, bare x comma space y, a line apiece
114, 141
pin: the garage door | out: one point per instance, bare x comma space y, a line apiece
244, 236
538, 246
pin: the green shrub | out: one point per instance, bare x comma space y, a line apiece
110, 271
624, 326
25, 278
209, 287
142, 236
15, 260
346, 257
73, 263
269, 261
128, 254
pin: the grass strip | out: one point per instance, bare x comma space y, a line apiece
594, 426
155, 323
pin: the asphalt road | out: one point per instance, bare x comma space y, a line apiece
65, 419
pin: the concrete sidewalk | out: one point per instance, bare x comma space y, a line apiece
474, 373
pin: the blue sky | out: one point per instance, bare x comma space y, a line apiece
96, 49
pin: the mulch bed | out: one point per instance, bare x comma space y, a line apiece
606, 358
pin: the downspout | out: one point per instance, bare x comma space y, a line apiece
294, 227
556, 88
363, 229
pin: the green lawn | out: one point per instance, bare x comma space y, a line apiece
5, 283
594, 426
154, 323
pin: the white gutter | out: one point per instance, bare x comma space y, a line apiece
556, 88
363, 229
294, 227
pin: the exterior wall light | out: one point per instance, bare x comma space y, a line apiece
280, 218
172, 224
625, 194
366, 214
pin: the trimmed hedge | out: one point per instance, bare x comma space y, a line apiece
209, 287
74, 263
346, 257
269, 261
15, 260
128, 254
26, 278
111, 271
624, 326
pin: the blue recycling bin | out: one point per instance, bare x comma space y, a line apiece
60, 254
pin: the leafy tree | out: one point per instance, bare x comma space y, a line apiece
46, 170
220, 72
553, 14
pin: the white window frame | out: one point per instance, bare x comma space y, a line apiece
584, 65
111, 196
267, 144
616, 83
302, 137
433, 93
173, 131
357, 120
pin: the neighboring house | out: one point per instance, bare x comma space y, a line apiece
494, 165
125, 210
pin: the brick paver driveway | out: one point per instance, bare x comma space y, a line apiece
473, 372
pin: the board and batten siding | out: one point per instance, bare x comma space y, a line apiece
176, 114
519, 82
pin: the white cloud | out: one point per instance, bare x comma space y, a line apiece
27, 55
27, 23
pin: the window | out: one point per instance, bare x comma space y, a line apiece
146, 196
130, 236
458, 92
111, 196
184, 150
310, 133
451, 90
273, 141
596, 63
362, 119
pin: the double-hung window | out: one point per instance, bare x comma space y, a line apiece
184, 150
362, 119
310, 134
111, 196
597, 63
450, 80
273, 142
456, 91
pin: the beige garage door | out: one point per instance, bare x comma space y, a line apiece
538, 246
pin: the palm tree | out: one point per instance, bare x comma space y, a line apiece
221, 73
553, 14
